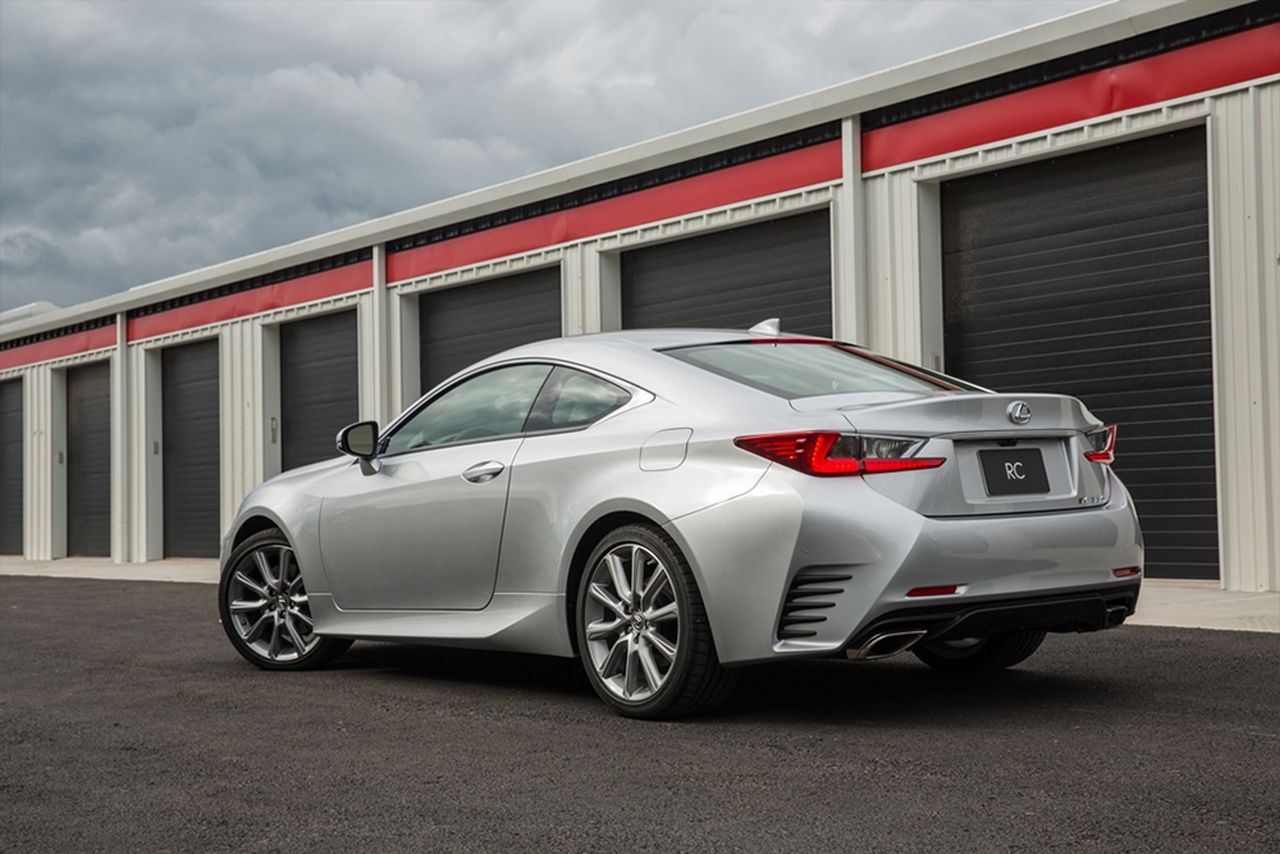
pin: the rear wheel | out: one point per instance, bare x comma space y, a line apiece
979, 655
265, 609
642, 630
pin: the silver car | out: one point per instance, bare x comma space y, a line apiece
670, 505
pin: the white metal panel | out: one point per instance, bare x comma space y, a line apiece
37, 501
241, 435
848, 240
120, 426
1244, 185
368, 339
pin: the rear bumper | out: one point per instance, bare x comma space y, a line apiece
851, 556
1077, 611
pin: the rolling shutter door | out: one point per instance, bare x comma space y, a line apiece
734, 279
12, 433
462, 325
89, 460
189, 405
1089, 276
319, 386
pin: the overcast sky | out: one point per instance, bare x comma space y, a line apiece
140, 140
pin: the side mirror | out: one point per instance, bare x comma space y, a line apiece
359, 440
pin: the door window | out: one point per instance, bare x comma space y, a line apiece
486, 406
574, 399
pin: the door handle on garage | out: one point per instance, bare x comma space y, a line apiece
483, 472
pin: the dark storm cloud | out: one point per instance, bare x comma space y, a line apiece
140, 140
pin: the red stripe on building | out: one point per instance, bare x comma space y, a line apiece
340, 280
56, 348
1197, 68
811, 165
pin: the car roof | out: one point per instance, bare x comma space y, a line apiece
583, 346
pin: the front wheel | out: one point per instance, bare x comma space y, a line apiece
979, 655
642, 629
265, 610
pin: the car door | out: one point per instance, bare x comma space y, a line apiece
422, 531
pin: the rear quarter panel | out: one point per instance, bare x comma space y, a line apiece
562, 483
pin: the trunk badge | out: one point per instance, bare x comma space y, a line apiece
1019, 412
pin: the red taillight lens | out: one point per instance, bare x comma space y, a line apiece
1102, 445
1126, 571
835, 454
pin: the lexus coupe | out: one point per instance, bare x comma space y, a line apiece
670, 505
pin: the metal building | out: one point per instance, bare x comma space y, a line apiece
1089, 206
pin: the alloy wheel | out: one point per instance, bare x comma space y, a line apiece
632, 621
268, 605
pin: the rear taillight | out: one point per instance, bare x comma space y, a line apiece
1102, 445
835, 454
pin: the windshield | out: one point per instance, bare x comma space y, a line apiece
805, 370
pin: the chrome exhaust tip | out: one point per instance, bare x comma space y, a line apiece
885, 645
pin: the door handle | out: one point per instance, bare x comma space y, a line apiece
483, 472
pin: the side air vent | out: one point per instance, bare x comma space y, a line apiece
812, 592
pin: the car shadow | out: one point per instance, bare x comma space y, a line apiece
902, 692
467, 666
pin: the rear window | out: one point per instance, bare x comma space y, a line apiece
803, 370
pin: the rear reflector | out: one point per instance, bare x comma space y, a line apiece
945, 590
836, 454
1127, 571
1102, 444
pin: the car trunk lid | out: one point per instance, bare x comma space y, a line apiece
1005, 453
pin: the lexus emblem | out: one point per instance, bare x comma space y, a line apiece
1019, 412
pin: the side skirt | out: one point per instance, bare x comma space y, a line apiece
514, 622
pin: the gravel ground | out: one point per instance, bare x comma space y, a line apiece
127, 723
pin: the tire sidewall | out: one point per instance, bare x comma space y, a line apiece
677, 571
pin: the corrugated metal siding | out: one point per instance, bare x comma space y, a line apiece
893, 267
89, 460
734, 279
242, 415
1244, 179
1089, 276
12, 433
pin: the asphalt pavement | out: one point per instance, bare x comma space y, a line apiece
127, 723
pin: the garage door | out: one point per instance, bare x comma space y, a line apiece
461, 325
89, 460
319, 386
734, 279
11, 436
189, 404
1089, 276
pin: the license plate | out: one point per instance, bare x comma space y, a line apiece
1014, 472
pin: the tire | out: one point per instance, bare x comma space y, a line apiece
262, 634
693, 680
984, 655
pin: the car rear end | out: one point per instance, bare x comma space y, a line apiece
907, 508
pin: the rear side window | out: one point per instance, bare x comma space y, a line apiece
574, 399
804, 370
